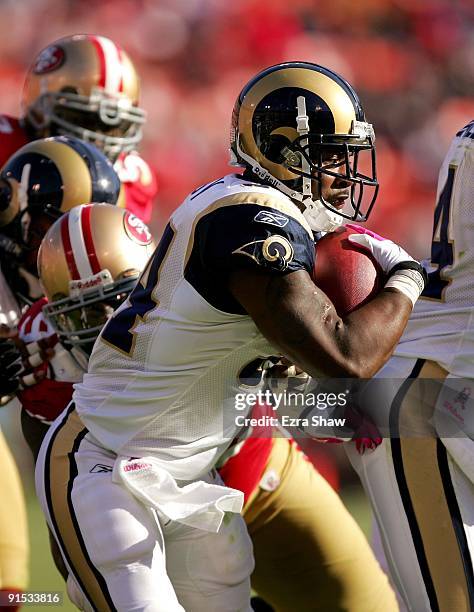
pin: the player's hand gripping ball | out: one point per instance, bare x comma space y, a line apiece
347, 273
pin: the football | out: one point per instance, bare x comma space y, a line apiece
347, 273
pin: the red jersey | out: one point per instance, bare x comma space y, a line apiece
244, 470
12, 137
48, 398
138, 179
139, 184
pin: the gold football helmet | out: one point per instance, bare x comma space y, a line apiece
297, 121
88, 263
85, 86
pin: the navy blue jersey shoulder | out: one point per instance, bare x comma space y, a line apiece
249, 236
467, 131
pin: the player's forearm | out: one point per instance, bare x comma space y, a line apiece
302, 323
369, 335
327, 345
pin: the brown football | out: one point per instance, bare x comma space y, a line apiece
347, 273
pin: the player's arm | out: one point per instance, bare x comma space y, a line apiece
139, 185
264, 251
301, 321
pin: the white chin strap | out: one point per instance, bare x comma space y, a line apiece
320, 218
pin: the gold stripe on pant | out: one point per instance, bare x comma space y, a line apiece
422, 463
60, 471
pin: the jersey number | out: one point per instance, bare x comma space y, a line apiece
119, 330
441, 245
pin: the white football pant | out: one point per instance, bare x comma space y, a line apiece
120, 554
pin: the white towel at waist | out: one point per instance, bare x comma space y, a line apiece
198, 504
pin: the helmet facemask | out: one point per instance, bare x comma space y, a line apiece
112, 124
79, 318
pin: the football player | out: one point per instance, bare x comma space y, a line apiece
86, 86
41, 181
420, 481
269, 471
229, 283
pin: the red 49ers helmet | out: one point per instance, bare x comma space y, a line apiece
88, 263
85, 86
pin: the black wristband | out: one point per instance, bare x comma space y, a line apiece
410, 265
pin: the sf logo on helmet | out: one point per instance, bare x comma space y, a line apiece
49, 59
136, 229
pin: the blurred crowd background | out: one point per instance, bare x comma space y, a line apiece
411, 61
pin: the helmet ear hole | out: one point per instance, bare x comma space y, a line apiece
274, 151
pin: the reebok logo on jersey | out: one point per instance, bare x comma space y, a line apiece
99, 468
272, 218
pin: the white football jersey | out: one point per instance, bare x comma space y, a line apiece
164, 372
441, 327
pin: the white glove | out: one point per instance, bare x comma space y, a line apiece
385, 252
405, 274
